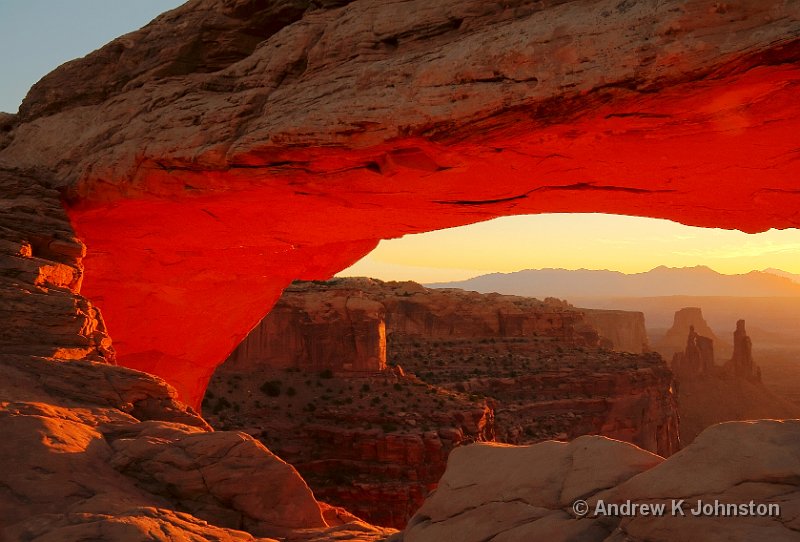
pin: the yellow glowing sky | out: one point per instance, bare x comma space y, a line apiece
575, 241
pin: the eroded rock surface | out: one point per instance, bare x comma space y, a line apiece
528, 492
227, 149
463, 367
90, 449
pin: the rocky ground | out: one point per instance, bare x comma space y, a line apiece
530, 492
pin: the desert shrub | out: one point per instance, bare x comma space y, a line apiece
327, 373
221, 404
291, 392
272, 388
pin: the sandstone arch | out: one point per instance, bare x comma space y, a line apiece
222, 151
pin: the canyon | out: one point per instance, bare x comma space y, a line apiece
179, 178
366, 386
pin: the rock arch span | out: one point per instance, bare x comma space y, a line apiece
224, 150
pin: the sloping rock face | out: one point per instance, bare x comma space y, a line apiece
96, 451
528, 493
624, 329
41, 270
345, 331
227, 149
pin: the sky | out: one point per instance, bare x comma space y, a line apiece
575, 241
36, 36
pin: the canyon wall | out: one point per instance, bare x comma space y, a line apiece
624, 329
456, 367
207, 160
341, 332
342, 324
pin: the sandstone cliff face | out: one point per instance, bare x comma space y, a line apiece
95, 451
342, 324
542, 389
341, 332
624, 329
529, 492
41, 270
210, 160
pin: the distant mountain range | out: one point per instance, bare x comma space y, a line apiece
790, 276
661, 281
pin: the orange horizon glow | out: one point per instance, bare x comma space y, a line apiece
575, 241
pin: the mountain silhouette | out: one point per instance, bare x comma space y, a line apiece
661, 281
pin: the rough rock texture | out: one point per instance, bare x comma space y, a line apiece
345, 331
545, 390
529, 491
466, 367
675, 340
373, 444
228, 148
94, 451
342, 324
625, 330
41, 271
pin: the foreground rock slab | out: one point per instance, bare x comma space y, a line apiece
502, 493
94, 451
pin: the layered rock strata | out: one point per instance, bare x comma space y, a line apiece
342, 324
208, 159
541, 389
95, 451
